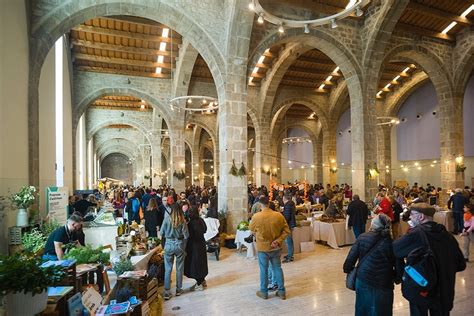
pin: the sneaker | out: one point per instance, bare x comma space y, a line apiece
198, 287
288, 259
262, 295
272, 287
179, 292
166, 295
281, 295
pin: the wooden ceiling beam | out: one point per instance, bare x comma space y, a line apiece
310, 71
447, 16
303, 80
118, 103
422, 31
121, 61
314, 6
121, 48
131, 35
316, 62
122, 72
140, 21
257, 75
121, 108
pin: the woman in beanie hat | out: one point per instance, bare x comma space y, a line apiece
375, 276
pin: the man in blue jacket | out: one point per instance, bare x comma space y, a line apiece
289, 212
456, 203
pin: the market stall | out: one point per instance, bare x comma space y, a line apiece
334, 233
441, 216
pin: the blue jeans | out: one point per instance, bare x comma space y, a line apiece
289, 244
174, 248
358, 230
273, 258
372, 301
271, 279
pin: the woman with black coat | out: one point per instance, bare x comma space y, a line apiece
195, 263
375, 277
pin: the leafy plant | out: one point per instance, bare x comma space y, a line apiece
33, 241
25, 197
21, 274
123, 266
48, 227
243, 225
87, 254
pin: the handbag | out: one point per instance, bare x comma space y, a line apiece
351, 276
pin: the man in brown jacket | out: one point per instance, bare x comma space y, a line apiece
270, 229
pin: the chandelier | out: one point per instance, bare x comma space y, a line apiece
296, 140
263, 15
195, 104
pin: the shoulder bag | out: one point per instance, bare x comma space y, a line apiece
351, 276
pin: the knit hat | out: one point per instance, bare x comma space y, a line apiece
380, 222
423, 208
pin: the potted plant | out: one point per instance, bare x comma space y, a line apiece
33, 242
22, 200
24, 283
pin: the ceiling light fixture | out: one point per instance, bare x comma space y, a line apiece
162, 46
449, 27
281, 29
165, 32
354, 6
160, 59
388, 120
158, 70
184, 103
467, 11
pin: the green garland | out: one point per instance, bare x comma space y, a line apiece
460, 167
372, 166
233, 170
242, 170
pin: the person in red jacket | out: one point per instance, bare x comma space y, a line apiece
384, 205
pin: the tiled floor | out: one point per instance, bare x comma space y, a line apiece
315, 285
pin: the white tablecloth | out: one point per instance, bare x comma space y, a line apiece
335, 234
300, 234
239, 242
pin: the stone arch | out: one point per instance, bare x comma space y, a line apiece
82, 105
117, 140
318, 38
429, 62
111, 121
184, 69
103, 135
60, 19
395, 103
208, 129
464, 70
339, 101
285, 105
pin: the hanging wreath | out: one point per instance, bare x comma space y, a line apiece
242, 170
333, 170
233, 170
179, 175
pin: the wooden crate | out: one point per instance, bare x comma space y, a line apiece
137, 286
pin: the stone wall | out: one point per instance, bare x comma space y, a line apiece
116, 166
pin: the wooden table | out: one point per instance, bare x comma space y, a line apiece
57, 300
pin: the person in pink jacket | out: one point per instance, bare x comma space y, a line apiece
468, 231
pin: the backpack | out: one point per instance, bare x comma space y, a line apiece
420, 278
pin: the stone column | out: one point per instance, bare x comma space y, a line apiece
196, 167
177, 161
147, 165
329, 156
384, 154
318, 160
263, 161
452, 141
156, 160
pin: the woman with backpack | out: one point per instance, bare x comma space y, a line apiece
375, 269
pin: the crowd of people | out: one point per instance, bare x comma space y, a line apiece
381, 256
